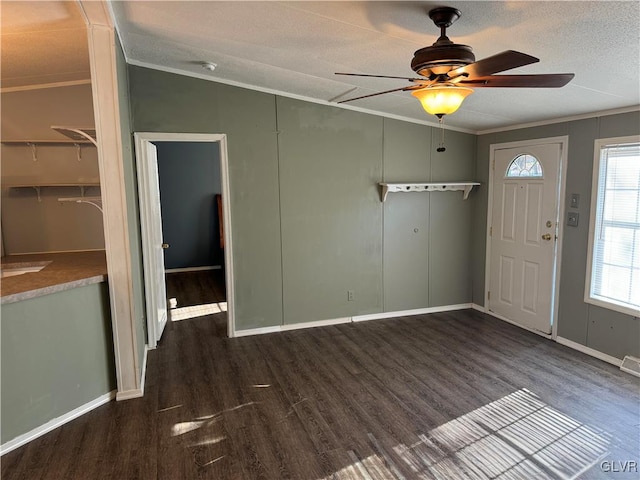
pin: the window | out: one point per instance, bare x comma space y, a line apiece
613, 276
524, 166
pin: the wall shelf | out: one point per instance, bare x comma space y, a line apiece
464, 187
38, 186
34, 144
45, 143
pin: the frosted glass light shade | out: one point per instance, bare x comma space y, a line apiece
442, 100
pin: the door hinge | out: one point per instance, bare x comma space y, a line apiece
488, 295
491, 231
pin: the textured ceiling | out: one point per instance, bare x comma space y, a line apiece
295, 48
42, 43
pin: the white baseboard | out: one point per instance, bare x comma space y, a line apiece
407, 313
318, 323
292, 326
136, 392
589, 351
479, 308
55, 423
192, 269
256, 331
357, 318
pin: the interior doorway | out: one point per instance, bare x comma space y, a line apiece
524, 229
153, 243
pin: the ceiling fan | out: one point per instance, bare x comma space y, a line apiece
449, 71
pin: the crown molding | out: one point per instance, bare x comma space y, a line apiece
571, 118
271, 91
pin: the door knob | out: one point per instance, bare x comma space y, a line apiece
546, 236
165, 245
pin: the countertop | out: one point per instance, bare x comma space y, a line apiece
66, 270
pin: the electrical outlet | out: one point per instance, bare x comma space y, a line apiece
350, 295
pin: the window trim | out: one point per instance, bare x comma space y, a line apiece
595, 185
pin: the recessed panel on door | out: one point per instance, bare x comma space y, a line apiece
533, 213
506, 280
530, 279
509, 197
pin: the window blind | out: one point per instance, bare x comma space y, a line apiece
616, 244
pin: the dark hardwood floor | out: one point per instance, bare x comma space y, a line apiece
448, 396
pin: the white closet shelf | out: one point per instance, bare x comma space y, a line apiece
465, 187
38, 186
50, 184
47, 143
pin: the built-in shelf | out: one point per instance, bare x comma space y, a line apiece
464, 187
38, 186
50, 184
34, 144
45, 143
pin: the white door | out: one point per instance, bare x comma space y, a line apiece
523, 234
159, 293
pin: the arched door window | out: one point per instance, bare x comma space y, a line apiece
524, 165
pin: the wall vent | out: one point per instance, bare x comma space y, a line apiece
631, 365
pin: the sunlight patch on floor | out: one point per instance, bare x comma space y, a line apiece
169, 408
185, 427
195, 311
208, 441
515, 437
204, 421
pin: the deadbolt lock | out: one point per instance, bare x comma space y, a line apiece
549, 224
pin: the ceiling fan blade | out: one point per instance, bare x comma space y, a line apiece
496, 63
412, 87
381, 76
551, 80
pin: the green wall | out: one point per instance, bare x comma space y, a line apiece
426, 236
133, 209
57, 355
307, 220
330, 162
604, 330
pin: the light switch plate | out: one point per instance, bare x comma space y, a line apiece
572, 219
575, 200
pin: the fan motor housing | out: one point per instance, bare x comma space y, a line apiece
453, 55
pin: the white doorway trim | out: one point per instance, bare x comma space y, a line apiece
105, 88
564, 148
142, 139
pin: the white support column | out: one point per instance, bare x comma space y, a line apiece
102, 56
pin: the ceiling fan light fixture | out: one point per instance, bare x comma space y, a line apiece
442, 100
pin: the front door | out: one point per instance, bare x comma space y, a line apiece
523, 234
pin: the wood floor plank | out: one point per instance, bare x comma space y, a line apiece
455, 395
